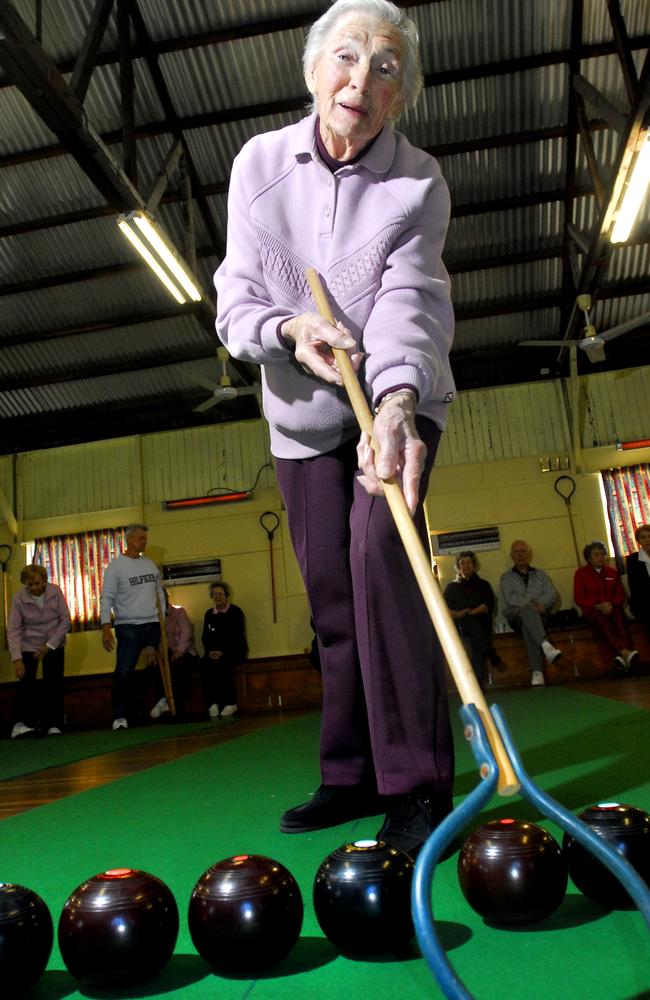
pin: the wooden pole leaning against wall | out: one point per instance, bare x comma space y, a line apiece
163, 659
5, 555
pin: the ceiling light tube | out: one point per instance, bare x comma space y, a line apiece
146, 254
153, 236
635, 190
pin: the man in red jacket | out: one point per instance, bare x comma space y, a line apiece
598, 592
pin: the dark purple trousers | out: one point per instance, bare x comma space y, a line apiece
385, 712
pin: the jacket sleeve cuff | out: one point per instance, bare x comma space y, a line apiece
402, 377
395, 388
271, 340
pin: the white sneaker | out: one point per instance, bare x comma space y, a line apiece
228, 710
54, 731
120, 723
213, 711
633, 656
159, 708
537, 678
20, 729
550, 652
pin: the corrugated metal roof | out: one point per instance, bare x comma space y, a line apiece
104, 392
190, 16
242, 62
44, 187
102, 102
99, 299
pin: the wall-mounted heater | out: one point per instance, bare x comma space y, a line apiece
188, 503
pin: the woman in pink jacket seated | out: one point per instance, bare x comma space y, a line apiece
36, 630
182, 659
598, 592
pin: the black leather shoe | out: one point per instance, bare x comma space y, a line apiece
331, 805
412, 819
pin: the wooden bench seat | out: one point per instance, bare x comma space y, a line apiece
291, 682
262, 685
582, 657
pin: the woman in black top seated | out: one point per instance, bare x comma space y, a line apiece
224, 641
470, 600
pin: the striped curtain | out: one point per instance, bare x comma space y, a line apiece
77, 563
628, 506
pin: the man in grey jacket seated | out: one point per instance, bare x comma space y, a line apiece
526, 599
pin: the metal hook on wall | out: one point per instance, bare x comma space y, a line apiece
270, 522
566, 492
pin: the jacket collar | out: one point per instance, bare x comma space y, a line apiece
46, 593
378, 159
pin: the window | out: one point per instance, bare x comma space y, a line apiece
627, 492
77, 563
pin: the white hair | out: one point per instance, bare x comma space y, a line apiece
411, 69
132, 528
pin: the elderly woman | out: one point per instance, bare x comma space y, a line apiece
224, 641
36, 630
598, 592
345, 193
638, 576
471, 604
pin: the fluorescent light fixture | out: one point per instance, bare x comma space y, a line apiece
146, 255
635, 190
160, 255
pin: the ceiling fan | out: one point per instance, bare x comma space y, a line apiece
593, 343
225, 389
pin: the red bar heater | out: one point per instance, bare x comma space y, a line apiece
189, 502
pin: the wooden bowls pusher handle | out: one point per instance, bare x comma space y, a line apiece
466, 682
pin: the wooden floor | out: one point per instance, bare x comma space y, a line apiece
634, 691
28, 791
40, 787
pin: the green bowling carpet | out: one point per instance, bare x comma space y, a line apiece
26, 754
177, 819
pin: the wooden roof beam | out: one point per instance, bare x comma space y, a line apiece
38, 79
602, 107
623, 48
87, 58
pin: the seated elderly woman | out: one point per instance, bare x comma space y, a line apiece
599, 593
343, 192
638, 576
470, 600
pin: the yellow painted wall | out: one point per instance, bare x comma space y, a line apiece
520, 500
487, 474
230, 532
112, 483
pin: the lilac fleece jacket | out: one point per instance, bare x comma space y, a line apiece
374, 231
30, 625
180, 631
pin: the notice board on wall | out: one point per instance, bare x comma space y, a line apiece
450, 543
